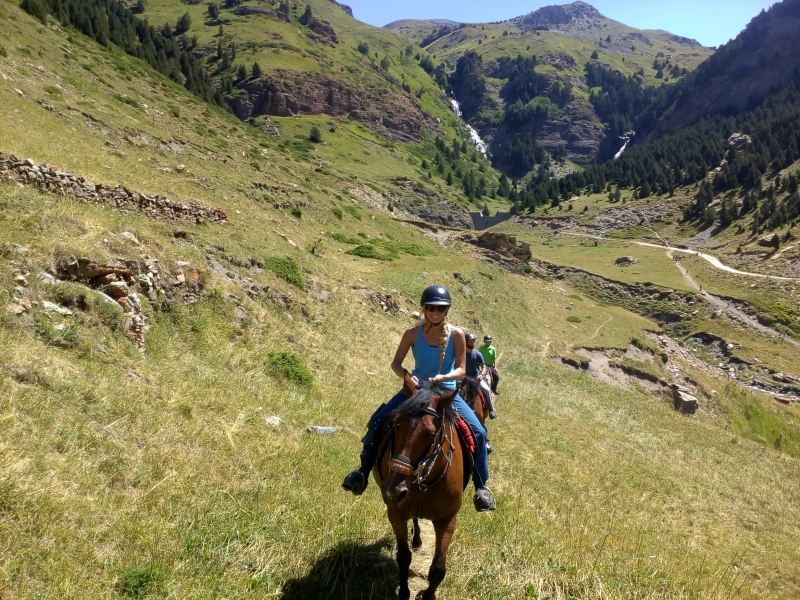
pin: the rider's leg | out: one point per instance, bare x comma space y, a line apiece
480, 474
495, 379
487, 393
370, 443
357, 480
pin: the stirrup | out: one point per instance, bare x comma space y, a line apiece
489, 448
492, 414
483, 500
355, 482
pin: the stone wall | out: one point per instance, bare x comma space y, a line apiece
118, 197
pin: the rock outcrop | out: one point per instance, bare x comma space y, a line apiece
289, 93
503, 247
51, 180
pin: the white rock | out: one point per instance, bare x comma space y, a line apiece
273, 420
130, 237
53, 307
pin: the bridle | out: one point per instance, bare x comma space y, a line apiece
422, 472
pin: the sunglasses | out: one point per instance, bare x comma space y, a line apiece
436, 308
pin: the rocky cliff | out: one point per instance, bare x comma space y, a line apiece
286, 93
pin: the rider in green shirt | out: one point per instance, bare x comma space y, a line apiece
489, 354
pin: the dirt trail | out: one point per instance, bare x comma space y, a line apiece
723, 305
421, 559
596, 333
717, 263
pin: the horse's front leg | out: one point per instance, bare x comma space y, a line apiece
416, 541
444, 534
400, 526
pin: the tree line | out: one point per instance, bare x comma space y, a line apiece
109, 21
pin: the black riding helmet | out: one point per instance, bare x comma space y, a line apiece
470, 337
435, 295
487, 338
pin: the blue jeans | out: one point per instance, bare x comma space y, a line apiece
480, 475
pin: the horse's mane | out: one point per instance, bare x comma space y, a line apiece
422, 399
473, 383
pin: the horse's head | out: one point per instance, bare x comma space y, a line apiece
469, 388
417, 423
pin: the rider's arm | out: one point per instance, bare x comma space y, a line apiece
482, 368
408, 339
460, 348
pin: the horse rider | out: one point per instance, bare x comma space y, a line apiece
476, 367
439, 351
489, 353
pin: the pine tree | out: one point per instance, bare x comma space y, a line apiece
256, 70
315, 135
241, 73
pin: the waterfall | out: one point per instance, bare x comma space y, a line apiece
627, 139
474, 138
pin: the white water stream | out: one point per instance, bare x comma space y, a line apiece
473, 135
627, 139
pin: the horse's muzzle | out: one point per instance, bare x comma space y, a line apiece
395, 494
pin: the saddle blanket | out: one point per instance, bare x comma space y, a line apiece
466, 434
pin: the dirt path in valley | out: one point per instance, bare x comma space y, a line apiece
726, 306
716, 262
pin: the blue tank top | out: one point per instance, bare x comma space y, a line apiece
426, 359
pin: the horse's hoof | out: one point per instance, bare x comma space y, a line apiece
404, 594
420, 595
416, 545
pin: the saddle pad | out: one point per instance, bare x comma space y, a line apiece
482, 396
466, 434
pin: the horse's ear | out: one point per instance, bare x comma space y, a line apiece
443, 402
408, 385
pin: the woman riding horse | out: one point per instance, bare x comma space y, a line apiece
439, 355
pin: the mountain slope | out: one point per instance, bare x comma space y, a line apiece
761, 59
564, 40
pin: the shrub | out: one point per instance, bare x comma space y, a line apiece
343, 238
337, 212
140, 581
527, 269
3, 51
363, 47
352, 211
286, 269
573, 319
369, 251
289, 366
296, 212
315, 135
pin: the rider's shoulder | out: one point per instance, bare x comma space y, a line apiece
414, 329
457, 331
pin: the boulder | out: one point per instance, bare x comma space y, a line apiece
626, 260
684, 402
766, 241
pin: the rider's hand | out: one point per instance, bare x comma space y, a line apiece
437, 379
415, 380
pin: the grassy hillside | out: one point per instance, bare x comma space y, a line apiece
158, 474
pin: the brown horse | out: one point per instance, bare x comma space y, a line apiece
470, 390
422, 477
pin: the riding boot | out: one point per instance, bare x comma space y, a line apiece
490, 404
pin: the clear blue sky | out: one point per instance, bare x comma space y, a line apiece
710, 22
